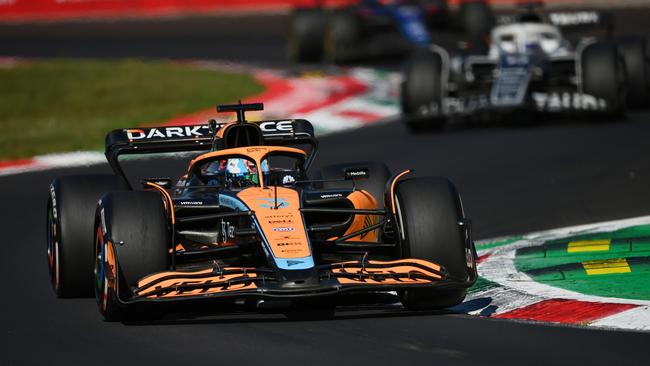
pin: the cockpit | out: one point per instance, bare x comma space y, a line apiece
239, 171
520, 38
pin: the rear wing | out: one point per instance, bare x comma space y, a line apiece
149, 140
584, 19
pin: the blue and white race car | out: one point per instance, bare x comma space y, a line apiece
529, 67
369, 28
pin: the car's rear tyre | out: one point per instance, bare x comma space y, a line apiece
422, 91
132, 240
375, 184
306, 35
636, 67
476, 19
436, 13
342, 36
430, 211
603, 76
70, 214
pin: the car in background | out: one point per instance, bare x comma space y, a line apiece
363, 29
529, 67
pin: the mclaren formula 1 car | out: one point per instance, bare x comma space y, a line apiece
529, 67
244, 223
370, 28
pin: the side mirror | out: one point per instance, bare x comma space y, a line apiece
166, 183
357, 173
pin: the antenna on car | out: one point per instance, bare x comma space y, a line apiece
240, 109
275, 194
214, 127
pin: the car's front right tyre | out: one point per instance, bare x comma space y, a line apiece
132, 240
69, 221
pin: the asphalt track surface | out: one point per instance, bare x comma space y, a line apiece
513, 180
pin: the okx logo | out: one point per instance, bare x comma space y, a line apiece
274, 203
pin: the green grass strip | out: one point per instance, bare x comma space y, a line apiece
67, 105
552, 263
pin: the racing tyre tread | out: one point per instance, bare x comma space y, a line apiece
603, 76
342, 36
476, 19
430, 210
135, 226
636, 67
422, 87
306, 35
70, 214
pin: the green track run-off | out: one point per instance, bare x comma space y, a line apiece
609, 264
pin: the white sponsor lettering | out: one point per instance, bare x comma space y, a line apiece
193, 131
166, 132
227, 230
360, 172
282, 126
194, 203
53, 195
333, 195
288, 179
103, 221
581, 17
283, 229
155, 133
175, 131
455, 105
555, 102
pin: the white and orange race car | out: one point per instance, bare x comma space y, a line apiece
246, 223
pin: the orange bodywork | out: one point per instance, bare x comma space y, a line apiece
363, 200
150, 285
408, 270
351, 274
277, 212
283, 224
392, 189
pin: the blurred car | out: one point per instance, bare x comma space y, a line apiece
363, 29
529, 67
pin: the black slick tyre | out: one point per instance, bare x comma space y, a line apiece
70, 218
430, 211
306, 35
422, 91
476, 19
636, 67
132, 240
603, 76
342, 36
437, 13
